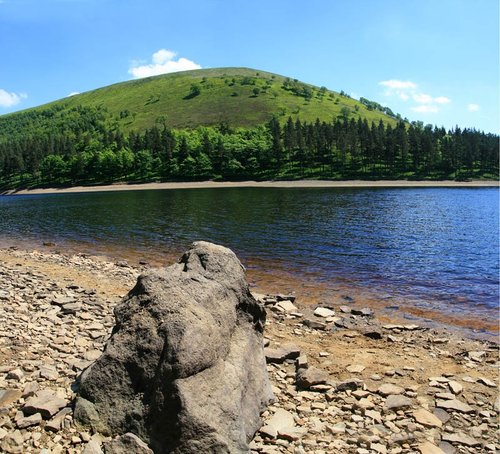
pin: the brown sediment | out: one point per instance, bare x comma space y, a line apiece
274, 277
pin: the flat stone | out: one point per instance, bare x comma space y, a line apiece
352, 384
345, 309
428, 448
46, 402
365, 312
9, 396
29, 421
49, 372
486, 382
127, 444
311, 376
441, 414
371, 332
455, 387
12, 443
292, 433
397, 401
426, 418
323, 312
92, 447
16, 374
460, 438
287, 306
313, 324
355, 368
454, 404
280, 355
388, 389
281, 420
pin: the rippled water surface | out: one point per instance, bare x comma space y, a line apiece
432, 246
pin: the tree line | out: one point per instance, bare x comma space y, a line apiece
85, 146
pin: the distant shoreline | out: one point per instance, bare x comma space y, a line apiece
262, 184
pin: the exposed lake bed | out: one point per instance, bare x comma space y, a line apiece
388, 387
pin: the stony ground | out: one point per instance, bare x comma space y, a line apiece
344, 383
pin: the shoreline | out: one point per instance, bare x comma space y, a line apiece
395, 310
261, 184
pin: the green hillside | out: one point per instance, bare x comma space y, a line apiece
228, 124
235, 96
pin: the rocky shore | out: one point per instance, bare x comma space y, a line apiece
343, 381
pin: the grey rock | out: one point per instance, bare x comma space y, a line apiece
280, 355
45, 402
12, 443
454, 404
461, 439
351, 384
311, 376
127, 444
314, 324
324, 312
184, 368
92, 447
29, 421
8, 396
397, 401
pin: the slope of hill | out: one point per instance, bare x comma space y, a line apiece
230, 124
235, 96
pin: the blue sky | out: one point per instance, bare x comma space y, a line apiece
431, 60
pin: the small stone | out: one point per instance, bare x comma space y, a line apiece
92, 447
429, 448
323, 312
46, 402
12, 443
286, 306
397, 401
16, 374
486, 382
8, 396
389, 389
426, 418
29, 421
49, 372
311, 376
313, 324
279, 355
455, 387
454, 404
461, 439
127, 444
355, 368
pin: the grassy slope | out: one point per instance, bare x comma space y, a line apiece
161, 99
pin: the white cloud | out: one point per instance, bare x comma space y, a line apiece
398, 84
162, 62
422, 98
10, 99
442, 100
425, 108
73, 93
407, 90
473, 107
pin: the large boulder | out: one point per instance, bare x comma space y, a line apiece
184, 368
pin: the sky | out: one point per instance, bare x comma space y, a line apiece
435, 61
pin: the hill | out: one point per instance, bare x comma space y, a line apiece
239, 97
229, 124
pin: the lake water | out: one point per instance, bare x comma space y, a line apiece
434, 250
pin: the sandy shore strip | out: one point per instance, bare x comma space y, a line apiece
264, 184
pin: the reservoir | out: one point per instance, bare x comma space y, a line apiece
433, 251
